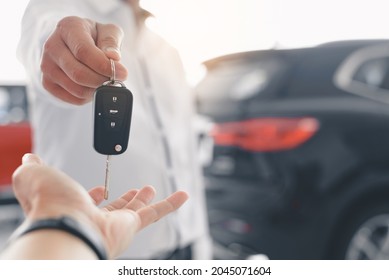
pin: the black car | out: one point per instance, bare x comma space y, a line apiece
300, 157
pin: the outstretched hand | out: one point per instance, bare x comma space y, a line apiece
45, 192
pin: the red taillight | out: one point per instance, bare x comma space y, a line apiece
266, 134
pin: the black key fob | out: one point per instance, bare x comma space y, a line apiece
112, 118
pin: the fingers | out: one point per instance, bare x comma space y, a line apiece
142, 198
84, 37
75, 58
122, 201
153, 213
138, 201
63, 94
97, 194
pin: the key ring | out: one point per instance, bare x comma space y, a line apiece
113, 71
112, 80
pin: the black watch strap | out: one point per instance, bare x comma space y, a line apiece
70, 225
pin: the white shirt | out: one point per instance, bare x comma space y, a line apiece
162, 145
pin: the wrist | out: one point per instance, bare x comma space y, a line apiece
90, 236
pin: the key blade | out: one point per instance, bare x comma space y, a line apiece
106, 184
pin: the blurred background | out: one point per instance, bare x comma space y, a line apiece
212, 28
293, 116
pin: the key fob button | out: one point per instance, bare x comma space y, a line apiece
114, 109
113, 124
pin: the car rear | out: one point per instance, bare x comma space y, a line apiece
284, 145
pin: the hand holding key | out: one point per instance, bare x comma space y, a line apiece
75, 58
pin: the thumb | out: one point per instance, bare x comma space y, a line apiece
31, 158
109, 40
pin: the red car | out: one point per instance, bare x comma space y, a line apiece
15, 132
14, 143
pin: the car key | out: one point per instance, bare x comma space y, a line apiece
112, 120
